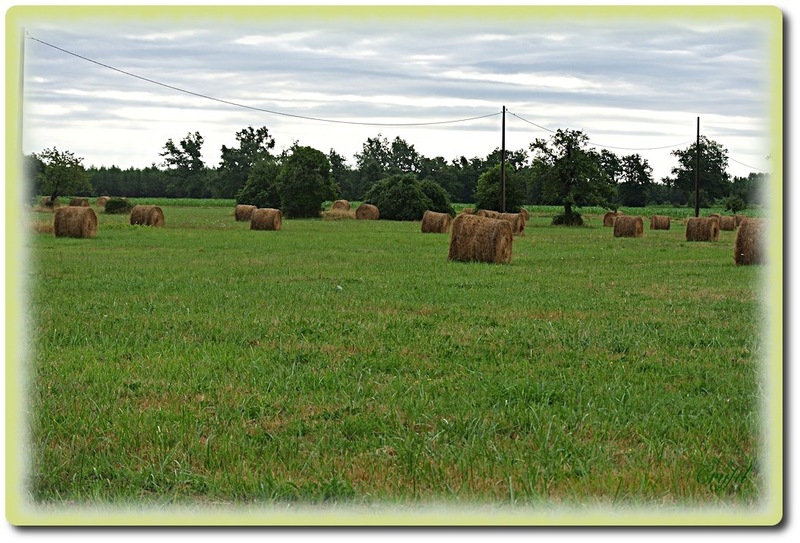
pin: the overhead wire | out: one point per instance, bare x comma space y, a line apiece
254, 108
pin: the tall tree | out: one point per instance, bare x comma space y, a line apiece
184, 163
61, 173
715, 181
254, 144
635, 181
305, 182
571, 173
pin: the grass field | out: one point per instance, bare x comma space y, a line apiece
350, 362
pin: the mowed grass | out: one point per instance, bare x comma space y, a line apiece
351, 362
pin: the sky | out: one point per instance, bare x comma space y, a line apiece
633, 82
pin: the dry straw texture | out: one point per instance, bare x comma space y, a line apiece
608, 218
435, 223
102, 201
368, 212
517, 222
47, 203
702, 229
75, 222
244, 212
738, 219
79, 202
749, 246
727, 223
480, 239
340, 205
266, 218
525, 214
487, 213
626, 226
468, 210
338, 214
147, 215
659, 222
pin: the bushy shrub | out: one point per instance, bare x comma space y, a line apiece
734, 204
488, 193
305, 182
118, 206
568, 219
438, 196
399, 197
260, 189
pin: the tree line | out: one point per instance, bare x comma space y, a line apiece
561, 170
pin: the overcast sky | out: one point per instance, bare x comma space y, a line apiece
631, 83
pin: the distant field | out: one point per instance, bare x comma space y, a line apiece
351, 362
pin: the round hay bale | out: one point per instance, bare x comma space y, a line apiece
75, 222
480, 239
468, 211
738, 219
46, 202
626, 226
435, 223
102, 201
727, 223
487, 213
244, 212
79, 202
659, 222
608, 218
368, 212
517, 222
266, 218
702, 229
340, 205
147, 215
749, 247
525, 214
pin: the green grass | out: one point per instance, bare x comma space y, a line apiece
351, 362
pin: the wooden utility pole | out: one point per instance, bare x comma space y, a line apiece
503, 166
697, 173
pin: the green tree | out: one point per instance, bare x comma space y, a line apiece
636, 180
61, 173
715, 181
343, 175
439, 171
260, 189
187, 173
488, 194
399, 197
305, 182
571, 174
236, 162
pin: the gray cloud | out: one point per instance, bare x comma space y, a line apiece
628, 82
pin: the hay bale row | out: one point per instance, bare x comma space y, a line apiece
340, 205
244, 212
435, 223
608, 218
702, 229
75, 222
367, 212
659, 222
266, 218
525, 214
750, 240
79, 202
102, 201
487, 213
626, 226
517, 221
480, 239
147, 215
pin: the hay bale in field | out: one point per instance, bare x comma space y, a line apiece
340, 205
738, 219
749, 247
47, 203
468, 211
626, 226
147, 215
79, 202
102, 201
525, 214
659, 222
480, 239
702, 229
266, 218
727, 223
487, 213
338, 214
244, 212
368, 212
517, 222
75, 222
435, 223
608, 218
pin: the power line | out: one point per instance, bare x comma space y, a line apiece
748, 165
253, 108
